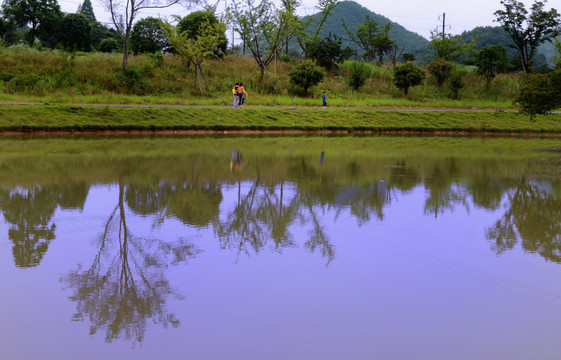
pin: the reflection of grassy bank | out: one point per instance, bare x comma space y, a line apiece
348, 159
84, 118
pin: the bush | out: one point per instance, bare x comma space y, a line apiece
306, 75
109, 45
407, 75
359, 73
440, 69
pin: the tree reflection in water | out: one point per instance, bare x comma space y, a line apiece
533, 216
125, 285
30, 212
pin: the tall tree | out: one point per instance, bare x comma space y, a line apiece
124, 12
263, 29
40, 15
449, 47
490, 61
86, 9
149, 36
528, 30
198, 49
372, 38
192, 24
76, 32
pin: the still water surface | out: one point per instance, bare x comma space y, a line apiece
280, 247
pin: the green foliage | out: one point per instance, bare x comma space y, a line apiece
133, 79
408, 57
490, 61
75, 33
540, 94
42, 16
456, 84
359, 74
372, 38
449, 47
101, 32
441, 69
193, 22
306, 75
325, 51
148, 36
557, 55
157, 58
354, 15
407, 75
528, 31
86, 9
198, 49
109, 45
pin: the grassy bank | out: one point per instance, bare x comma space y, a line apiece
56, 77
87, 118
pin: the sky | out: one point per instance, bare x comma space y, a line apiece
417, 16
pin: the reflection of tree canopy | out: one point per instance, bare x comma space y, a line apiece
264, 214
534, 217
443, 194
403, 177
30, 212
194, 204
486, 190
125, 285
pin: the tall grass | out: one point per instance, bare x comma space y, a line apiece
51, 76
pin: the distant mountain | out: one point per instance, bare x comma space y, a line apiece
495, 35
354, 15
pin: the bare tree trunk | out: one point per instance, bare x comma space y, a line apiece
125, 53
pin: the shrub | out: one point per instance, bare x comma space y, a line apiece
407, 75
359, 73
440, 69
306, 75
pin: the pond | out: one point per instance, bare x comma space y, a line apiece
308, 247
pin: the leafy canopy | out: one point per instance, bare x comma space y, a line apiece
407, 75
528, 30
306, 75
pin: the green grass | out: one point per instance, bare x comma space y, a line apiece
87, 118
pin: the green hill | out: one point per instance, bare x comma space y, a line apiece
354, 15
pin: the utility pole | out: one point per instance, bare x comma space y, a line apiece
443, 24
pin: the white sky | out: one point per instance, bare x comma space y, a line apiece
419, 16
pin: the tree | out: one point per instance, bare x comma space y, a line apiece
325, 51
372, 38
557, 55
109, 45
528, 31
449, 48
124, 12
192, 23
540, 94
306, 75
407, 75
302, 29
198, 49
441, 69
76, 32
148, 36
86, 9
457, 83
490, 61
263, 29
359, 73
41, 15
